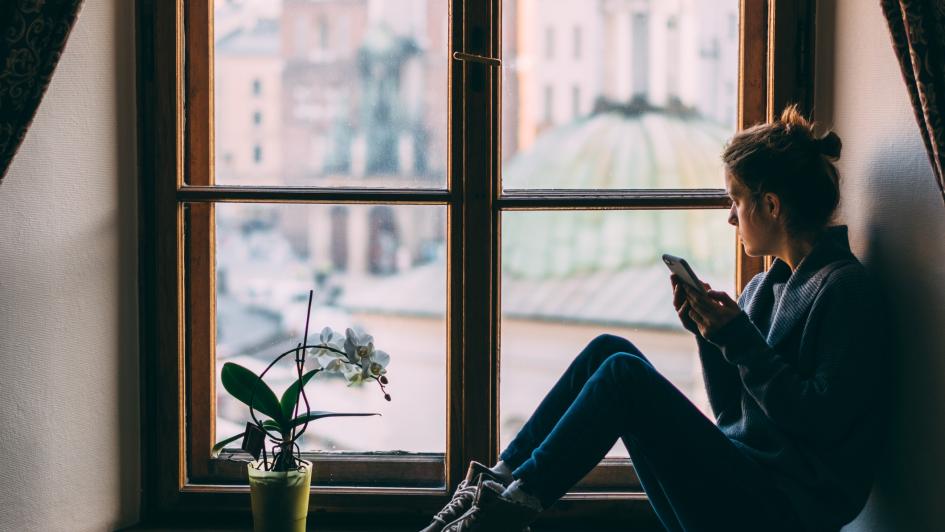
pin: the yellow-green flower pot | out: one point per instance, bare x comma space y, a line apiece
279, 499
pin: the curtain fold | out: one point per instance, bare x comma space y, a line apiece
32, 36
917, 29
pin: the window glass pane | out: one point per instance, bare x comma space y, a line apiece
374, 267
568, 276
653, 92
353, 92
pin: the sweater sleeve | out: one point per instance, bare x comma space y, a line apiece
722, 382
826, 402
723, 385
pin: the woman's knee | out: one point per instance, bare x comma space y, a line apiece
623, 371
626, 364
606, 345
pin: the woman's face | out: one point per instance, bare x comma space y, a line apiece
757, 228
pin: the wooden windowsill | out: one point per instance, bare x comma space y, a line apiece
373, 528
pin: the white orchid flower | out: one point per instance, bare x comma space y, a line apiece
358, 347
353, 374
325, 358
332, 339
370, 363
376, 365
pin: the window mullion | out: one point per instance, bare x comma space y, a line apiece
752, 102
474, 404
199, 285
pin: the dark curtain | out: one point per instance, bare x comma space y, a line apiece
32, 36
918, 35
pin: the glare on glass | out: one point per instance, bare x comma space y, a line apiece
617, 95
376, 268
569, 276
331, 94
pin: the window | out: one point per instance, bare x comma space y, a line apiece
257, 117
324, 37
339, 238
257, 154
549, 99
575, 102
577, 42
549, 43
640, 35
489, 253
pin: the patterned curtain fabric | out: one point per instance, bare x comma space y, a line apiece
32, 36
918, 35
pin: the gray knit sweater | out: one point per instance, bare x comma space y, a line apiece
793, 379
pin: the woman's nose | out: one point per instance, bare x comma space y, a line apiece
732, 216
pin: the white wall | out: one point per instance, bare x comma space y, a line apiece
897, 225
69, 387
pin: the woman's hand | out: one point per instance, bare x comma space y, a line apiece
682, 305
710, 312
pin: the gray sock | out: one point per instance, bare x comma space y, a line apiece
517, 493
502, 470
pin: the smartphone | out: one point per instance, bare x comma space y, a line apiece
681, 268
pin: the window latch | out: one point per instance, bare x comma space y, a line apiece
463, 56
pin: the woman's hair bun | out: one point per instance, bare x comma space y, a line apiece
830, 145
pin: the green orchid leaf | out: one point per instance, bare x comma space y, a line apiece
291, 394
240, 382
317, 414
274, 426
215, 452
218, 448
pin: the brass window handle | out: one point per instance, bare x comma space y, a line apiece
463, 56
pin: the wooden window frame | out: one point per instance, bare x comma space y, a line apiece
177, 284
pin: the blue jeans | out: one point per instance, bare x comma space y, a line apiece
694, 476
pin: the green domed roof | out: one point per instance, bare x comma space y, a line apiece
613, 151
616, 151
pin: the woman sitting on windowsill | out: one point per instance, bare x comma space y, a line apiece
791, 371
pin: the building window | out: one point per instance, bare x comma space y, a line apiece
384, 242
641, 57
549, 43
549, 104
339, 238
257, 154
323, 34
257, 87
577, 42
257, 117
300, 34
576, 102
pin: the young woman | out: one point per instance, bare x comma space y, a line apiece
791, 372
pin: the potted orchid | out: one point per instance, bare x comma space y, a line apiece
279, 479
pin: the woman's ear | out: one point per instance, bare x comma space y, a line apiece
772, 205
